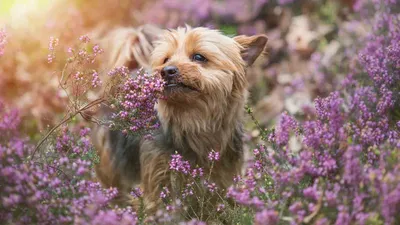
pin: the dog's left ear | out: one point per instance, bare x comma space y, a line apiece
252, 47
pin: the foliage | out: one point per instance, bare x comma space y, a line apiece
335, 162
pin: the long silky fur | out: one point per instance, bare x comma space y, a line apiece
193, 123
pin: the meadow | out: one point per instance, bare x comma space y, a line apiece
323, 117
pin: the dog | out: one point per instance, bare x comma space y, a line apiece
203, 111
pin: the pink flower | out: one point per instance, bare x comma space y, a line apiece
164, 193
84, 38
213, 156
3, 41
96, 82
53, 43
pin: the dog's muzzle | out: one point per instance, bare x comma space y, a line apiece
171, 75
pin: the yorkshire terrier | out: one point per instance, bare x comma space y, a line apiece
206, 92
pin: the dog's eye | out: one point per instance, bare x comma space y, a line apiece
199, 58
165, 60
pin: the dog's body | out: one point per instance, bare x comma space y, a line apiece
206, 91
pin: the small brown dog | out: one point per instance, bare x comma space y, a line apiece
206, 91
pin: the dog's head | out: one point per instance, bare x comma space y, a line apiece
204, 65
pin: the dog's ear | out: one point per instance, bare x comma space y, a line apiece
252, 47
130, 47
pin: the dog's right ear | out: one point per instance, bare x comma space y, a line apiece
252, 47
130, 47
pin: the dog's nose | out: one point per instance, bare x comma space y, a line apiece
169, 72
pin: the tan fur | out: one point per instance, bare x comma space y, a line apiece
207, 119
104, 170
130, 47
155, 175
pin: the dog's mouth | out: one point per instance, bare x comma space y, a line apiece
176, 85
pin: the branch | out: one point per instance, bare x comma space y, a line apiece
79, 111
264, 132
318, 207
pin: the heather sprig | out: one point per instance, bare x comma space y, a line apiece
193, 193
53, 43
3, 40
77, 77
9, 122
347, 166
51, 188
134, 103
344, 169
77, 81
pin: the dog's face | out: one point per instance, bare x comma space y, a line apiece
201, 64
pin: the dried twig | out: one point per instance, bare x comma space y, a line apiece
318, 207
79, 111
263, 132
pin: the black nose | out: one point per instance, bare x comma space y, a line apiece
169, 72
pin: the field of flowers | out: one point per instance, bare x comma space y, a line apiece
322, 133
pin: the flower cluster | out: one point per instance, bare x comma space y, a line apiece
213, 156
135, 101
3, 41
53, 43
79, 61
9, 122
179, 165
282, 132
119, 71
347, 169
78, 78
50, 189
334, 163
85, 52
193, 192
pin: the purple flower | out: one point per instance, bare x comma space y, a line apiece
266, 216
213, 156
53, 43
193, 222
179, 165
121, 71
84, 38
286, 125
311, 193
3, 41
136, 102
220, 207
352, 170
164, 193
